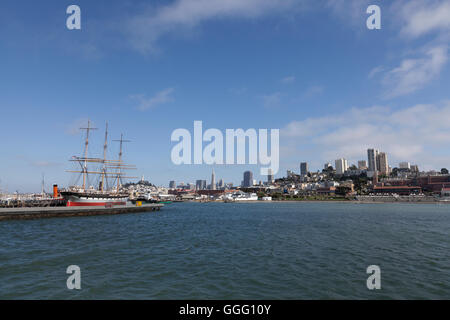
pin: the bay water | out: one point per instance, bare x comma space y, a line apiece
264, 250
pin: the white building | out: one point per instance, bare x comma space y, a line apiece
270, 178
404, 165
382, 163
213, 180
341, 166
372, 155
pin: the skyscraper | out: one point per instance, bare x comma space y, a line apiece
404, 165
304, 168
172, 184
341, 166
199, 185
382, 163
362, 164
270, 176
372, 159
213, 180
248, 179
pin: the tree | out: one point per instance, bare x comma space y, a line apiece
394, 172
444, 171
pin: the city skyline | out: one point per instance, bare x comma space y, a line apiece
340, 168
222, 155
333, 87
379, 164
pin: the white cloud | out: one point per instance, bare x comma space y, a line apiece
352, 12
38, 164
418, 134
422, 17
271, 101
161, 97
238, 91
375, 71
415, 18
288, 79
73, 128
45, 164
414, 74
181, 15
313, 91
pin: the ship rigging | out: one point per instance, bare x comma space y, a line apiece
109, 170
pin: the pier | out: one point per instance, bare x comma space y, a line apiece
54, 212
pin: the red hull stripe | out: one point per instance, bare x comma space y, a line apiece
92, 204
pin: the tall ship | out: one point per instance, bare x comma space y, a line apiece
106, 176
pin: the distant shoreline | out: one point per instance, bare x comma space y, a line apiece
362, 202
333, 201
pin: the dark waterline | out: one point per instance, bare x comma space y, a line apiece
233, 251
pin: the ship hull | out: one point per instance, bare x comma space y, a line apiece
90, 200
94, 204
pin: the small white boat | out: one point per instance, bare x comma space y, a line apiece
241, 196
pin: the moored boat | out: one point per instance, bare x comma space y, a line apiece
110, 169
241, 196
79, 198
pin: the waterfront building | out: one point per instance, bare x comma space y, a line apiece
248, 179
445, 192
400, 190
372, 159
304, 168
172, 184
341, 166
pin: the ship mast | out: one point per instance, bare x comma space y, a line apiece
43, 185
120, 164
105, 172
86, 145
105, 147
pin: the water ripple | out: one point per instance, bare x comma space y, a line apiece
233, 251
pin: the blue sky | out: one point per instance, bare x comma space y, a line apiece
310, 68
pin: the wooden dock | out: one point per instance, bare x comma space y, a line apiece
52, 212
